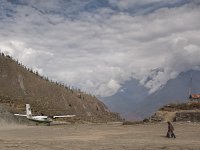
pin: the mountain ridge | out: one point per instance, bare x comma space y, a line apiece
175, 91
20, 85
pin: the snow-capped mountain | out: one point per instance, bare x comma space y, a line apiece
134, 102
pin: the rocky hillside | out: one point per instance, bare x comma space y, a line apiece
19, 85
189, 111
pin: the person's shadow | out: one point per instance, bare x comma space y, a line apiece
163, 136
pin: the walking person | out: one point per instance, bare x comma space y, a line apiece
170, 132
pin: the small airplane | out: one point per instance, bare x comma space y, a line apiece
42, 118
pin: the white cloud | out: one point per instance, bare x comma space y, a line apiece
99, 51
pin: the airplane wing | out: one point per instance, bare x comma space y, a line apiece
64, 116
21, 115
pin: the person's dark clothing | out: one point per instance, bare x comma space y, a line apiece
170, 132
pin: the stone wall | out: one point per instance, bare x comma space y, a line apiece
188, 116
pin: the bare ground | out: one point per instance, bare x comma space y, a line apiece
99, 137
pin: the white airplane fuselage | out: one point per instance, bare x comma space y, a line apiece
41, 119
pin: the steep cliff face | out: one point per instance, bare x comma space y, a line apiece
19, 86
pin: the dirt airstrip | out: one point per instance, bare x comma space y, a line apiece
99, 137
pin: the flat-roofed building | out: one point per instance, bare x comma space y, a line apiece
195, 97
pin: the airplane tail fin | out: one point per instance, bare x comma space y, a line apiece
28, 111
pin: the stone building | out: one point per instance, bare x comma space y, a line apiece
195, 97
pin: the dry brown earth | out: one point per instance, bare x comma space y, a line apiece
19, 86
99, 137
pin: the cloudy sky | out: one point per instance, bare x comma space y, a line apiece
97, 45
